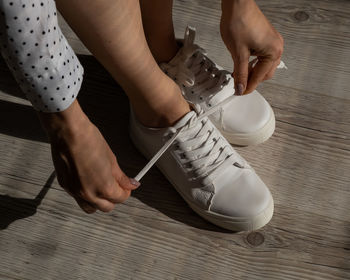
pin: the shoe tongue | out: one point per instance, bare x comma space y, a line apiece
187, 46
189, 37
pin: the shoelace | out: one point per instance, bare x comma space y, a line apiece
196, 66
208, 156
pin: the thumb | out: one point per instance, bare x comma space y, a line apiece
240, 73
128, 183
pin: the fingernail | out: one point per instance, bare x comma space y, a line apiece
239, 89
134, 182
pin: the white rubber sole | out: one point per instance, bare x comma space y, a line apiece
227, 222
253, 138
238, 223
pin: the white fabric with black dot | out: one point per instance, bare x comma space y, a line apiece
37, 53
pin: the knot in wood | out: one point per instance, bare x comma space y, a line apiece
301, 16
255, 239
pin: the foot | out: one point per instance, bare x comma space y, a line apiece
246, 120
215, 181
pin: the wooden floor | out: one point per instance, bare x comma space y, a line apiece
154, 235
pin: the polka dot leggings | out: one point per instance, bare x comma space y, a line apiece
39, 56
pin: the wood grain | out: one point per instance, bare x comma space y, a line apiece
154, 235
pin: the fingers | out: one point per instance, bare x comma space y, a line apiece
104, 205
114, 193
258, 73
106, 197
272, 71
85, 206
120, 189
240, 74
93, 203
117, 191
124, 181
128, 183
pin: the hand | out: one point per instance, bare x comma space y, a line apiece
246, 31
85, 165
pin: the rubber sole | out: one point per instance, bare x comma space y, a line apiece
253, 138
235, 224
238, 224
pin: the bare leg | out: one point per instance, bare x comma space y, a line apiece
157, 21
113, 32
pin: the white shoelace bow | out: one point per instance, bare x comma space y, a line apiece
208, 155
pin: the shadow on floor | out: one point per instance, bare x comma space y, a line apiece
107, 106
13, 208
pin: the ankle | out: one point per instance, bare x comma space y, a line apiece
169, 115
164, 51
162, 114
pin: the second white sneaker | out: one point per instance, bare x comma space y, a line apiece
245, 120
214, 180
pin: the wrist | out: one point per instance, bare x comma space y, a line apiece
64, 124
233, 8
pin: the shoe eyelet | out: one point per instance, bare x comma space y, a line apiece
192, 91
201, 98
209, 104
238, 165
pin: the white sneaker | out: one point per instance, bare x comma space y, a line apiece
214, 180
246, 120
